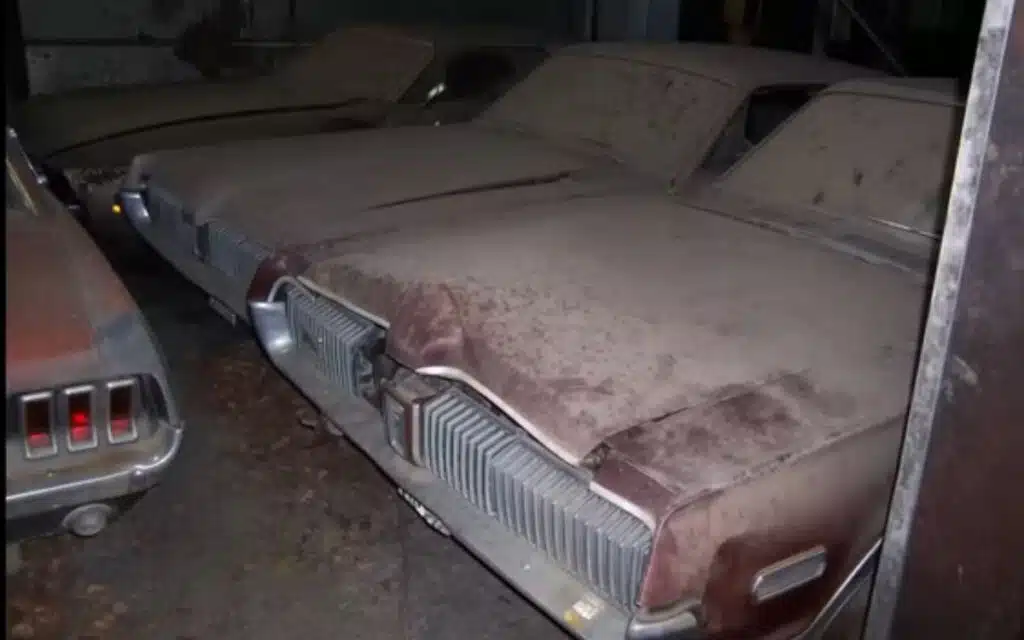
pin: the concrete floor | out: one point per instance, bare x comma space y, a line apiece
264, 529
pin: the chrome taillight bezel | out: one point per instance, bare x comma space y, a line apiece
36, 453
135, 399
67, 395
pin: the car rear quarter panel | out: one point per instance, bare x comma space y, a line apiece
69, 317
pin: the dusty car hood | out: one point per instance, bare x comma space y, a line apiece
602, 321
51, 124
263, 188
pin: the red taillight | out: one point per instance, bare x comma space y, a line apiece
37, 420
121, 427
81, 433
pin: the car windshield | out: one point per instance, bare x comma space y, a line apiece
657, 119
370, 64
869, 157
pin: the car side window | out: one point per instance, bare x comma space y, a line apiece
475, 74
763, 112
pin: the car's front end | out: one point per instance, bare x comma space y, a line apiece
647, 534
91, 420
466, 469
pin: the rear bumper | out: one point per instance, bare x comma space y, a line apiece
186, 261
41, 510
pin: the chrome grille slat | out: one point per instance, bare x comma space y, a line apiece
168, 215
481, 457
336, 336
234, 255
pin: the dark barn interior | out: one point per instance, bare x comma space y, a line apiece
267, 525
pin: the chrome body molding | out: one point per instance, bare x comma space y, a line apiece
858, 578
92, 488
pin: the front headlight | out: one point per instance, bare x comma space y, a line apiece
402, 400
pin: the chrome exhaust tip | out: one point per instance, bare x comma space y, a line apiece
88, 520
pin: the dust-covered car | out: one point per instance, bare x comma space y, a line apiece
91, 423
657, 417
592, 119
357, 77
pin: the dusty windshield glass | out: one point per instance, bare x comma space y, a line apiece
656, 119
871, 157
366, 63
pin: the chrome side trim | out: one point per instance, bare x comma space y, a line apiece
788, 574
861, 575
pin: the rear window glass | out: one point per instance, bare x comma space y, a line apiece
653, 118
878, 158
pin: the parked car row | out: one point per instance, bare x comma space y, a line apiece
640, 334
358, 77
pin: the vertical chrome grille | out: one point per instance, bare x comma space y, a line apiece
169, 222
233, 254
484, 459
333, 339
